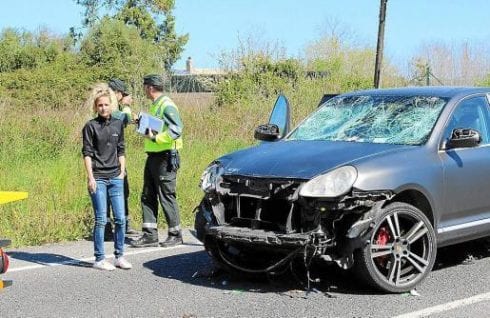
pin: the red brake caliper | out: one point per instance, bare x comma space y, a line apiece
382, 238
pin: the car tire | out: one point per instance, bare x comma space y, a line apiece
401, 250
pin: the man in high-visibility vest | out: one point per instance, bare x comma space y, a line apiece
161, 168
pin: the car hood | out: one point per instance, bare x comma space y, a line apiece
300, 159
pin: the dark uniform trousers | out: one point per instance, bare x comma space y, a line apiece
159, 183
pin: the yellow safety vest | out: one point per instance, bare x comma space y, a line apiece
163, 141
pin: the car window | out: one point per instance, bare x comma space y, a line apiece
471, 113
388, 119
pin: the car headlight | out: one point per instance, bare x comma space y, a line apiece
331, 184
211, 177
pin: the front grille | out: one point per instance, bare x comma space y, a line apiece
261, 204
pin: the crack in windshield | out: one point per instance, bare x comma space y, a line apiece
406, 120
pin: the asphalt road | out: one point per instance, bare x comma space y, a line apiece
58, 281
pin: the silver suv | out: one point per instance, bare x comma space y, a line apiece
373, 180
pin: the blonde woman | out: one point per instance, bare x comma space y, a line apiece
119, 96
103, 154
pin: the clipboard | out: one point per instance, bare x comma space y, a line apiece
146, 121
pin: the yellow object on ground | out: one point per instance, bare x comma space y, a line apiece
5, 283
10, 196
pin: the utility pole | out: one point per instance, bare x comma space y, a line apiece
380, 44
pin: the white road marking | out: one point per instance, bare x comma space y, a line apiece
446, 307
92, 258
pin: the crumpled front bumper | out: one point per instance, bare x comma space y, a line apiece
258, 237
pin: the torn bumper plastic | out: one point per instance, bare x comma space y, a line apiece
258, 237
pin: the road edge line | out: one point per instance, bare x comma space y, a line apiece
446, 307
92, 258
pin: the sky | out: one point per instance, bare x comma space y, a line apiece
217, 26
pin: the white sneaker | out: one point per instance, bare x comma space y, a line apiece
122, 263
104, 265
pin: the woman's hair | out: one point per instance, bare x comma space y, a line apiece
98, 90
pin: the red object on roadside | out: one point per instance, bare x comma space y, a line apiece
4, 261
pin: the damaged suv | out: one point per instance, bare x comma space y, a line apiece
374, 181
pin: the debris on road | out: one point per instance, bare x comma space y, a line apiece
412, 292
212, 273
470, 259
295, 293
234, 291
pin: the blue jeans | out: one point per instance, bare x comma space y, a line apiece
114, 189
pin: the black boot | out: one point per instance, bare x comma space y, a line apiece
129, 230
145, 240
172, 240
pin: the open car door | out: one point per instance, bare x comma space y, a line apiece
279, 122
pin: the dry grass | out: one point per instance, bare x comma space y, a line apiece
196, 100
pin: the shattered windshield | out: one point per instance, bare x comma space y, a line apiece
376, 119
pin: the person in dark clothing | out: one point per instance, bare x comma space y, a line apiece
161, 168
123, 113
103, 155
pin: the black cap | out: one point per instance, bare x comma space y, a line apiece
153, 80
118, 86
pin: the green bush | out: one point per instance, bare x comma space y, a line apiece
258, 77
54, 86
26, 50
40, 70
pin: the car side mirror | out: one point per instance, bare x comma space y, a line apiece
464, 138
267, 132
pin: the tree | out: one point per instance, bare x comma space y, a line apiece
152, 18
119, 49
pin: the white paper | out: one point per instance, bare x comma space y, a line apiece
146, 121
